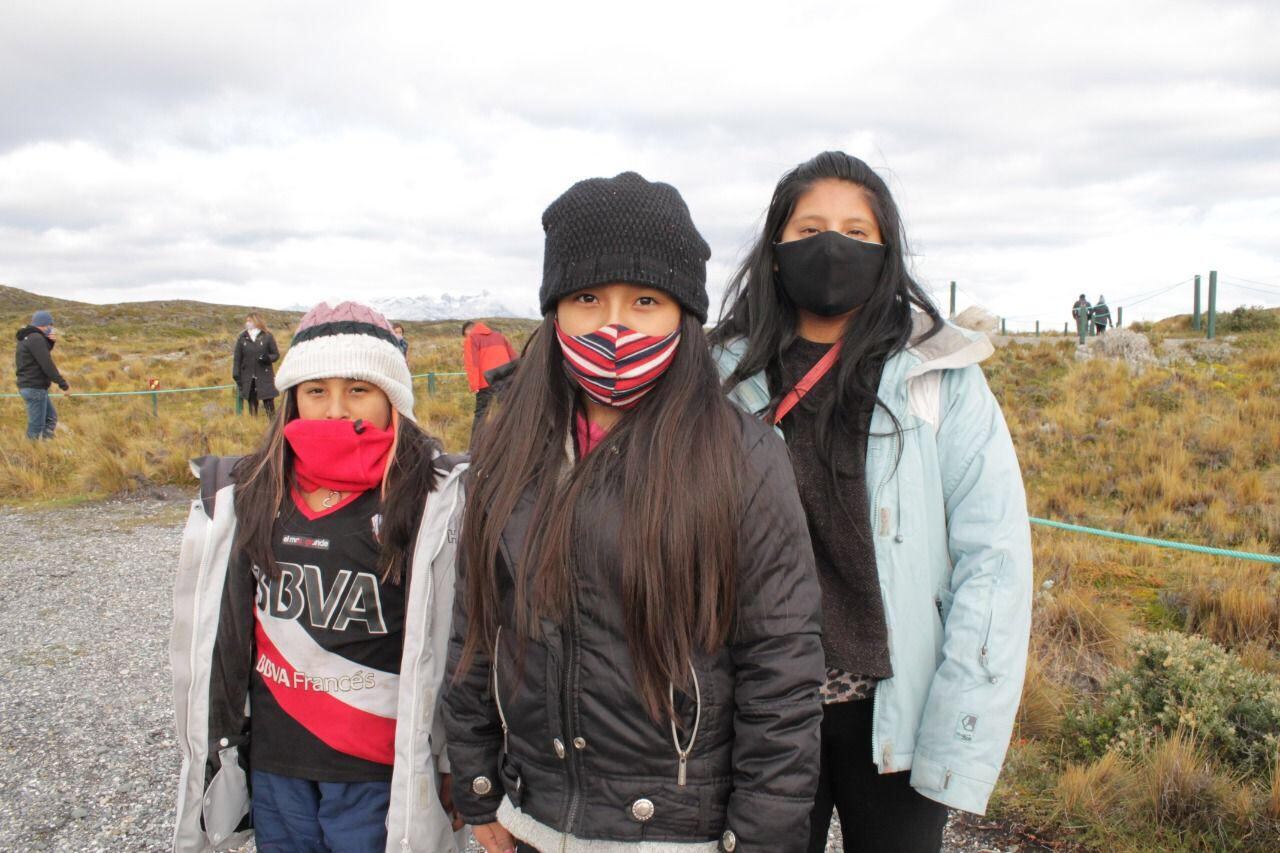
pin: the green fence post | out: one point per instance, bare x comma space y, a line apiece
1037, 328
1066, 328
239, 401
431, 384
155, 404
1213, 303
953, 299
1080, 325
1003, 330
1195, 309
1120, 317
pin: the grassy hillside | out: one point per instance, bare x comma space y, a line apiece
115, 445
1152, 708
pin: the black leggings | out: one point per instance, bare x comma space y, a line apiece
268, 405
880, 813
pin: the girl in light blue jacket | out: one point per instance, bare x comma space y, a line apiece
914, 500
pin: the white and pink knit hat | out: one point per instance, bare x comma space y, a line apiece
351, 341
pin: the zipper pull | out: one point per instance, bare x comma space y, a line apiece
982, 655
682, 776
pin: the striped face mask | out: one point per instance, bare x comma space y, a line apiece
616, 366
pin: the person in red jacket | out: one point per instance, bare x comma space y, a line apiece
482, 350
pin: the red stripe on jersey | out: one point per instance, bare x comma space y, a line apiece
328, 718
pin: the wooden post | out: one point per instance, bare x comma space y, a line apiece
1213, 303
1037, 328
1195, 308
1003, 330
1120, 317
953, 299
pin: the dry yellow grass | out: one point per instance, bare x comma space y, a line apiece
116, 445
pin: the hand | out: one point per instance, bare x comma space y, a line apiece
66, 392
494, 838
446, 800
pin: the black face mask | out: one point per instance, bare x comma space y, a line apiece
829, 274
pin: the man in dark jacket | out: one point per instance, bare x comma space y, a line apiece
1082, 311
36, 372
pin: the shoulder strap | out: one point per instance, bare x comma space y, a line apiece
806, 383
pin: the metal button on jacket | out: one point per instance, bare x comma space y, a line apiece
642, 809
481, 786
579, 743
729, 841
559, 747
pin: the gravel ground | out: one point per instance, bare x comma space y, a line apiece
87, 753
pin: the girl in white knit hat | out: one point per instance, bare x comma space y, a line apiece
312, 610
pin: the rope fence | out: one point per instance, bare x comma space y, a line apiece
155, 393
1159, 543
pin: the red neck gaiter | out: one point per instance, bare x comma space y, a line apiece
331, 454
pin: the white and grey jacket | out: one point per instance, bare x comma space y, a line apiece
211, 653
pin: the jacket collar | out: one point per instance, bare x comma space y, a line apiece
951, 348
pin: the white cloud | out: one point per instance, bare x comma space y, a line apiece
276, 153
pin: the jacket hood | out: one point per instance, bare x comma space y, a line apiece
478, 328
27, 331
951, 347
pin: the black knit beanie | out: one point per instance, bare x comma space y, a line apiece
625, 230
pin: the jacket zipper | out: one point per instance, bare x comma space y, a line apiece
569, 690
683, 752
497, 695
983, 653
875, 701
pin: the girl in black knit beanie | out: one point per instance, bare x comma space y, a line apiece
635, 654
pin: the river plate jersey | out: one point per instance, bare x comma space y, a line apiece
327, 644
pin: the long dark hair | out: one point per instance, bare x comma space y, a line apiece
674, 460
264, 477
757, 309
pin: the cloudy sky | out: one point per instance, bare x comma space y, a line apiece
276, 153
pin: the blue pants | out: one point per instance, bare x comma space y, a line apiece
41, 418
300, 816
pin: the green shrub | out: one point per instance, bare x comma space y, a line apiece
1179, 682
1253, 318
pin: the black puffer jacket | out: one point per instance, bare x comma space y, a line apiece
253, 362
33, 361
583, 757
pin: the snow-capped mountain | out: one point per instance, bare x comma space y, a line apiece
445, 307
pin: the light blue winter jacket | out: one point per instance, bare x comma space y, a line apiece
953, 551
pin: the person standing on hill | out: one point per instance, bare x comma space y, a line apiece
914, 501
483, 349
401, 340
1081, 311
251, 369
1100, 315
36, 372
